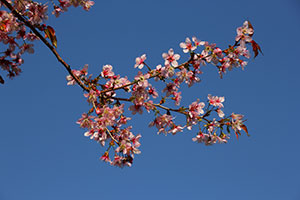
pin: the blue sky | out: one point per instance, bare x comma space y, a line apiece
44, 154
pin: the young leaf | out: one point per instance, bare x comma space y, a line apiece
250, 26
256, 48
237, 133
50, 33
244, 127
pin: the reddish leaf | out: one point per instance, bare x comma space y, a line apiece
244, 127
1, 80
256, 48
250, 26
237, 133
50, 33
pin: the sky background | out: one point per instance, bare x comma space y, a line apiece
44, 154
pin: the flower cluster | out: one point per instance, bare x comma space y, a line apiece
63, 5
214, 125
18, 38
106, 120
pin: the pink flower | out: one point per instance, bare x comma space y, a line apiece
198, 42
123, 119
27, 48
149, 106
220, 113
171, 58
107, 71
175, 129
136, 140
162, 123
167, 71
152, 91
139, 94
105, 157
192, 78
177, 97
57, 10
236, 122
78, 73
64, 4
244, 34
212, 125
90, 133
121, 161
242, 51
216, 101
87, 5
92, 96
142, 79
136, 109
170, 89
195, 109
37, 12
85, 121
237, 116
139, 61
187, 45
208, 139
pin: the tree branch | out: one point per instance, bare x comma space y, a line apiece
52, 49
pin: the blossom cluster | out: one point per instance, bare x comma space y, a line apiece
106, 120
17, 38
106, 117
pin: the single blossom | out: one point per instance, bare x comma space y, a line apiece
171, 58
220, 113
139, 61
216, 101
198, 42
187, 45
107, 71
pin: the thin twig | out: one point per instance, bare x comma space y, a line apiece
111, 136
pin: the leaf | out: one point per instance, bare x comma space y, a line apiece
256, 48
50, 33
250, 26
1, 80
237, 133
244, 127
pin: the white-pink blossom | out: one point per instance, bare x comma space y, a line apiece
171, 58
107, 71
187, 45
139, 61
216, 101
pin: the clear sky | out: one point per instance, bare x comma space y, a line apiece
44, 155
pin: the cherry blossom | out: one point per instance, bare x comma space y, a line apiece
139, 61
78, 73
216, 101
244, 34
162, 123
208, 139
195, 109
198, 42
187, 45
170, 89
171, 58
107, 71
105, 157
220, 113
152, 91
